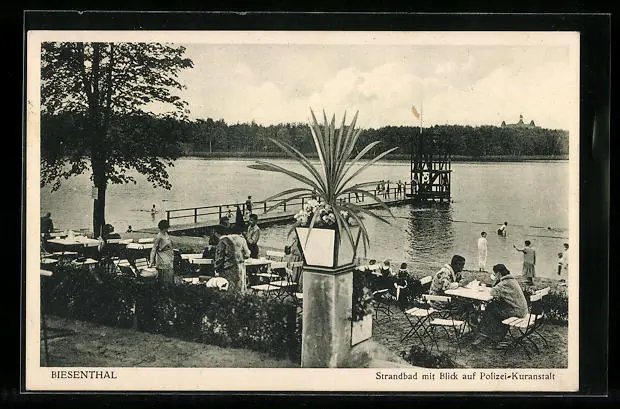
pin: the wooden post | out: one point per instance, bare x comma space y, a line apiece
349, 197
220, 213
195, 215
302, 202
168, 216
264, 207
284, 206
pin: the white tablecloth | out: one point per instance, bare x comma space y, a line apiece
139, 246
82, 241
481, 293
257, 262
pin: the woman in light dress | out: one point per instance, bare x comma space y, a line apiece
162, 254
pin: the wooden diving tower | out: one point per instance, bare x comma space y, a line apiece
430, 167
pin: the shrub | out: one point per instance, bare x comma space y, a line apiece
554, 304
189, 312
420, 356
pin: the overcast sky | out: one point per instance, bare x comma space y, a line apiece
458, 84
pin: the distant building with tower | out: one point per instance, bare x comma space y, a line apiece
519, 124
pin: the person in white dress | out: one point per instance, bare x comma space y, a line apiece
482, 251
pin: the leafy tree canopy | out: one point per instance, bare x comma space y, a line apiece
112, 107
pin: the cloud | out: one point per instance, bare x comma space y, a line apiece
459, 85
543, 93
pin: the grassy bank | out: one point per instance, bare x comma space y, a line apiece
393, 157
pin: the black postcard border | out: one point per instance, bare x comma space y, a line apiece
594, 185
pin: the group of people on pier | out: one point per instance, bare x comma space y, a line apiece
383, 188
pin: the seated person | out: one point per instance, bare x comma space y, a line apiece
447, 278
386, 269
402, 278
508, 301
288, 255
108, 233
209, 251
386, 280
295, 276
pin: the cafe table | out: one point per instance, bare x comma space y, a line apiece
478, 293
79, 241
139, 246
201, 261
83, 245
120, 241
138, 250
48, 262
89, 262
255, 267
191, 256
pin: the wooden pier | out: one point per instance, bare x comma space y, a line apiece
196, 221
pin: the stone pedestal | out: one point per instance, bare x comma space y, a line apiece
326, 339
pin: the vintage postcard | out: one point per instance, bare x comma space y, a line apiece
334, 211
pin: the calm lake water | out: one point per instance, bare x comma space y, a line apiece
530, 196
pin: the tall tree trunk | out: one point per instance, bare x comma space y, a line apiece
99, 212
99, 180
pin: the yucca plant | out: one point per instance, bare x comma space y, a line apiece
333, 179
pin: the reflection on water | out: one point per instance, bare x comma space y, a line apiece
426, 237
429, 232
430, 228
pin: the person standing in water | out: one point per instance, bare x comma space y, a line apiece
529, 261
503, 230
482, 252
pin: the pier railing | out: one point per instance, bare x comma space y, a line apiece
216, 212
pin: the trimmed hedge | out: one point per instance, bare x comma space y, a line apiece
188, 312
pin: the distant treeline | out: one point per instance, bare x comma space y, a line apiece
392, 157
209, 138
466, 141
